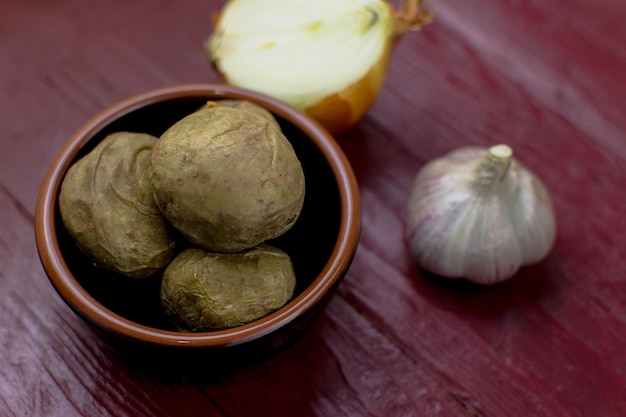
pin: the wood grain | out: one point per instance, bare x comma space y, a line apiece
546, 77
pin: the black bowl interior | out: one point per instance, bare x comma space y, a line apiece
309, 242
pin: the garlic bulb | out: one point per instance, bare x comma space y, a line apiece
327, 58
478, 214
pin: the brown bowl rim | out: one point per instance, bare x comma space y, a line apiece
81, 301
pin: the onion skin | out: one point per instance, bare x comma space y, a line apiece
341, 110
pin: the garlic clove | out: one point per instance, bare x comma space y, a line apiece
479, 214
327, 58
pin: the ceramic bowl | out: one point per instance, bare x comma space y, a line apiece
127, 312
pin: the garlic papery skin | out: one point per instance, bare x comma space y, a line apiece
327, 58
479, 214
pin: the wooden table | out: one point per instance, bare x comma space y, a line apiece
548, 77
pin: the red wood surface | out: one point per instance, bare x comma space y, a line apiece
547, 77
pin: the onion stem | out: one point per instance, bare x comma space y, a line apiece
411, 17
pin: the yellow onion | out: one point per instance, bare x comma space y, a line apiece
327, 58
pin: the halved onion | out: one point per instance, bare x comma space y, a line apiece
327, 58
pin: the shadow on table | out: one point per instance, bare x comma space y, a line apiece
200, 365
526, 287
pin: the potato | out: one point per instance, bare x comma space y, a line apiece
204, 291
108, 208
227, 179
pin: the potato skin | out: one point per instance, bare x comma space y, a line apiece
244, 105
227, 179
204, 291
107, 207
